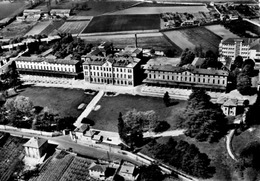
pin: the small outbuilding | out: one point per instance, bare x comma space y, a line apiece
36, 147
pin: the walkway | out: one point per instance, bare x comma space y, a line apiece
229, 139
164, 134
89, 108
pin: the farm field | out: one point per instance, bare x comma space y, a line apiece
54, 25
149, 40
8, 9
16, 29
117, 23
221, 31
62, 101
194, 37
38, 28
204, 1
106, 117
159, 10
9, 157
73, 27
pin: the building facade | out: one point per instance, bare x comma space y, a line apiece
245, 47
36, 147
167, 75
48, 67
115, 70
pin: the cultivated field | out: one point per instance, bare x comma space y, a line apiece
38, 28
117, 23
8, 9
148, 40
73, 27
221, 31
106, 117
207, 1
9, 157
16, 29
194, 37
54, 25
61, 101
159, 10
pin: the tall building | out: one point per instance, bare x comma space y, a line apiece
112, 70
245, 47
164, 74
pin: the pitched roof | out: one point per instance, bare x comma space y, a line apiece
231, 102
198, 61
35, 142
49, 60
97, 167
82, 128
127, 168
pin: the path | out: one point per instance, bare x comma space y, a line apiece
164, 134
89, 108
229, 139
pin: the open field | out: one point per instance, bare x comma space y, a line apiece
10, 151
221, 31
159, 10
106, 117
206, 1
38, 28
8, 9
194, 37
117, 23
73, 27
94, 7
149, 40
61, 101
215, 151
16, 29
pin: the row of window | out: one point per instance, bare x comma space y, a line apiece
183, 74
189, 79
101, 74
108, 69
109, 81
43, 67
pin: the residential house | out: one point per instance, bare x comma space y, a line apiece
36, 147
60, 12
48, 67
97, 171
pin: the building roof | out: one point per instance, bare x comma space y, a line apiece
256, 47
246, 41
164, 61
82, 128
127, 168
47, 52
97, 167
35, 142
60, 11
97, 137
131, 51
197, 62
49, 60
231, 102
104, 46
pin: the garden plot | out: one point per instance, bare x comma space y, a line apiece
73, 27
221, 31
38, 28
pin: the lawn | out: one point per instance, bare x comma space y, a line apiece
116, 23
8, 9
106, 117
216, 152
221, 31
61, 101
194, 37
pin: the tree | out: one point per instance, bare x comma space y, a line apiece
187, 57
170, 53
66, 123
244, 84
166, 99
121, 127
151, 173
238, 62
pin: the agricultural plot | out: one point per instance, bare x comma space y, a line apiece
149, 40
159, 10
16, 29
9, 157
73, 27
221, 31
8, 9
194, 37
38, 28
62, 101
54, 25
117, 23
78, 170
106, 118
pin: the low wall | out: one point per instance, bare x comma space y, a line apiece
29, 131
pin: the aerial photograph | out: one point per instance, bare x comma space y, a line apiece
129, 90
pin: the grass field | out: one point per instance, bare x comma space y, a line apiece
116, 23
62, 101
54, 25
194, 37
106, 117
8, 9
221, 31
156, 41
215, 151
73, 27
159, 10
38, 28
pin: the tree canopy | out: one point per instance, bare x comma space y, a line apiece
151, 173
187, 57
202, 120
